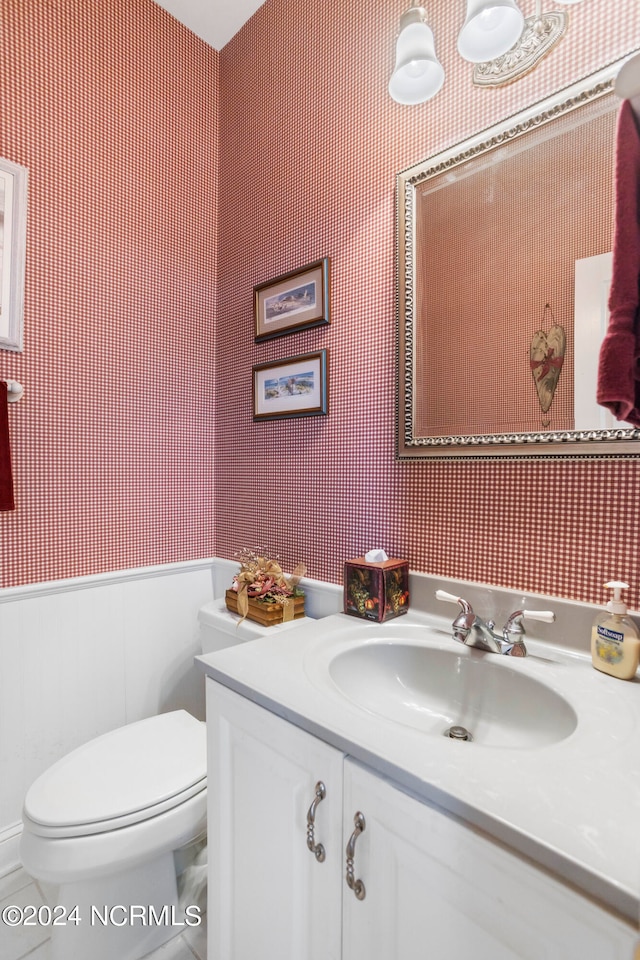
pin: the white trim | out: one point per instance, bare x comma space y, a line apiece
51, 587
10, 848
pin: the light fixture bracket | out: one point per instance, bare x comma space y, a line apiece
540, 35
413, 15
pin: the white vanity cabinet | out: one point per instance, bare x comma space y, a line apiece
433, 886
437, 888
270, 897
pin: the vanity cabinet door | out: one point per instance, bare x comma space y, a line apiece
269, 896
434, 887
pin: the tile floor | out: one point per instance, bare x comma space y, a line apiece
19, 943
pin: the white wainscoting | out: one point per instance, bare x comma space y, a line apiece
81, 657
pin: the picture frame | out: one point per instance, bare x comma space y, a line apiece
13, 251
293, 387
295, 301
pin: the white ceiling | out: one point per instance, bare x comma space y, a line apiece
214, 21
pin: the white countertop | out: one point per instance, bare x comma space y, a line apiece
573, 806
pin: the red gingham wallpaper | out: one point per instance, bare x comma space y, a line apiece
112, 106
310, 143
165, 181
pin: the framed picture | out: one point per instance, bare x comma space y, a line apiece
295, 301
13, 244
295, 387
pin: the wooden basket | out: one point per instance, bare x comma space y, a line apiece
263, 613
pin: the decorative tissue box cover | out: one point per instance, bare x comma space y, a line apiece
376, 591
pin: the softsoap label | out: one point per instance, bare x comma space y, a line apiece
608, 644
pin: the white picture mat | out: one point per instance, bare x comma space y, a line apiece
13, 238
295, 401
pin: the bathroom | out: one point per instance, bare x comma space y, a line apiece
166, 180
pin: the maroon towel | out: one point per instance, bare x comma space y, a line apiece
618, 372
6, 480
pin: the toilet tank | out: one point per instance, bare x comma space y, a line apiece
219, 628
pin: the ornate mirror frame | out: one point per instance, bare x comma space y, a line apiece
539, 445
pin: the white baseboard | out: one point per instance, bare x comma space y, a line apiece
10, 848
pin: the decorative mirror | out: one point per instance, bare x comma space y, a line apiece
504, 265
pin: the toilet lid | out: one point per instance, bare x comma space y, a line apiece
122, 772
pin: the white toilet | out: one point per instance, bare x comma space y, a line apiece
102, 824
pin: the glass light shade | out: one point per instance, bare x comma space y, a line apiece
418, 74
491, 28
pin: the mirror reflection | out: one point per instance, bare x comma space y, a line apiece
504, 269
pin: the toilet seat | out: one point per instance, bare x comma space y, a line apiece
131, 774
69, 859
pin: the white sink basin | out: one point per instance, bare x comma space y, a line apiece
431, 689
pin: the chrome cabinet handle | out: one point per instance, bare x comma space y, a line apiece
316, 848
356, 885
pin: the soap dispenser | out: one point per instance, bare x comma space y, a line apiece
615, 641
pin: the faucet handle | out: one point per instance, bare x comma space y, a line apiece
514, 623
466, 615
451, 598
465, 619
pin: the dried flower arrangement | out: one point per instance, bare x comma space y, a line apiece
262, 592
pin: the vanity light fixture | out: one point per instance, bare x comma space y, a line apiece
490, 29
495, 36
418, 74
541, 33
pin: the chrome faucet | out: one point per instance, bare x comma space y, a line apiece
475, 632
